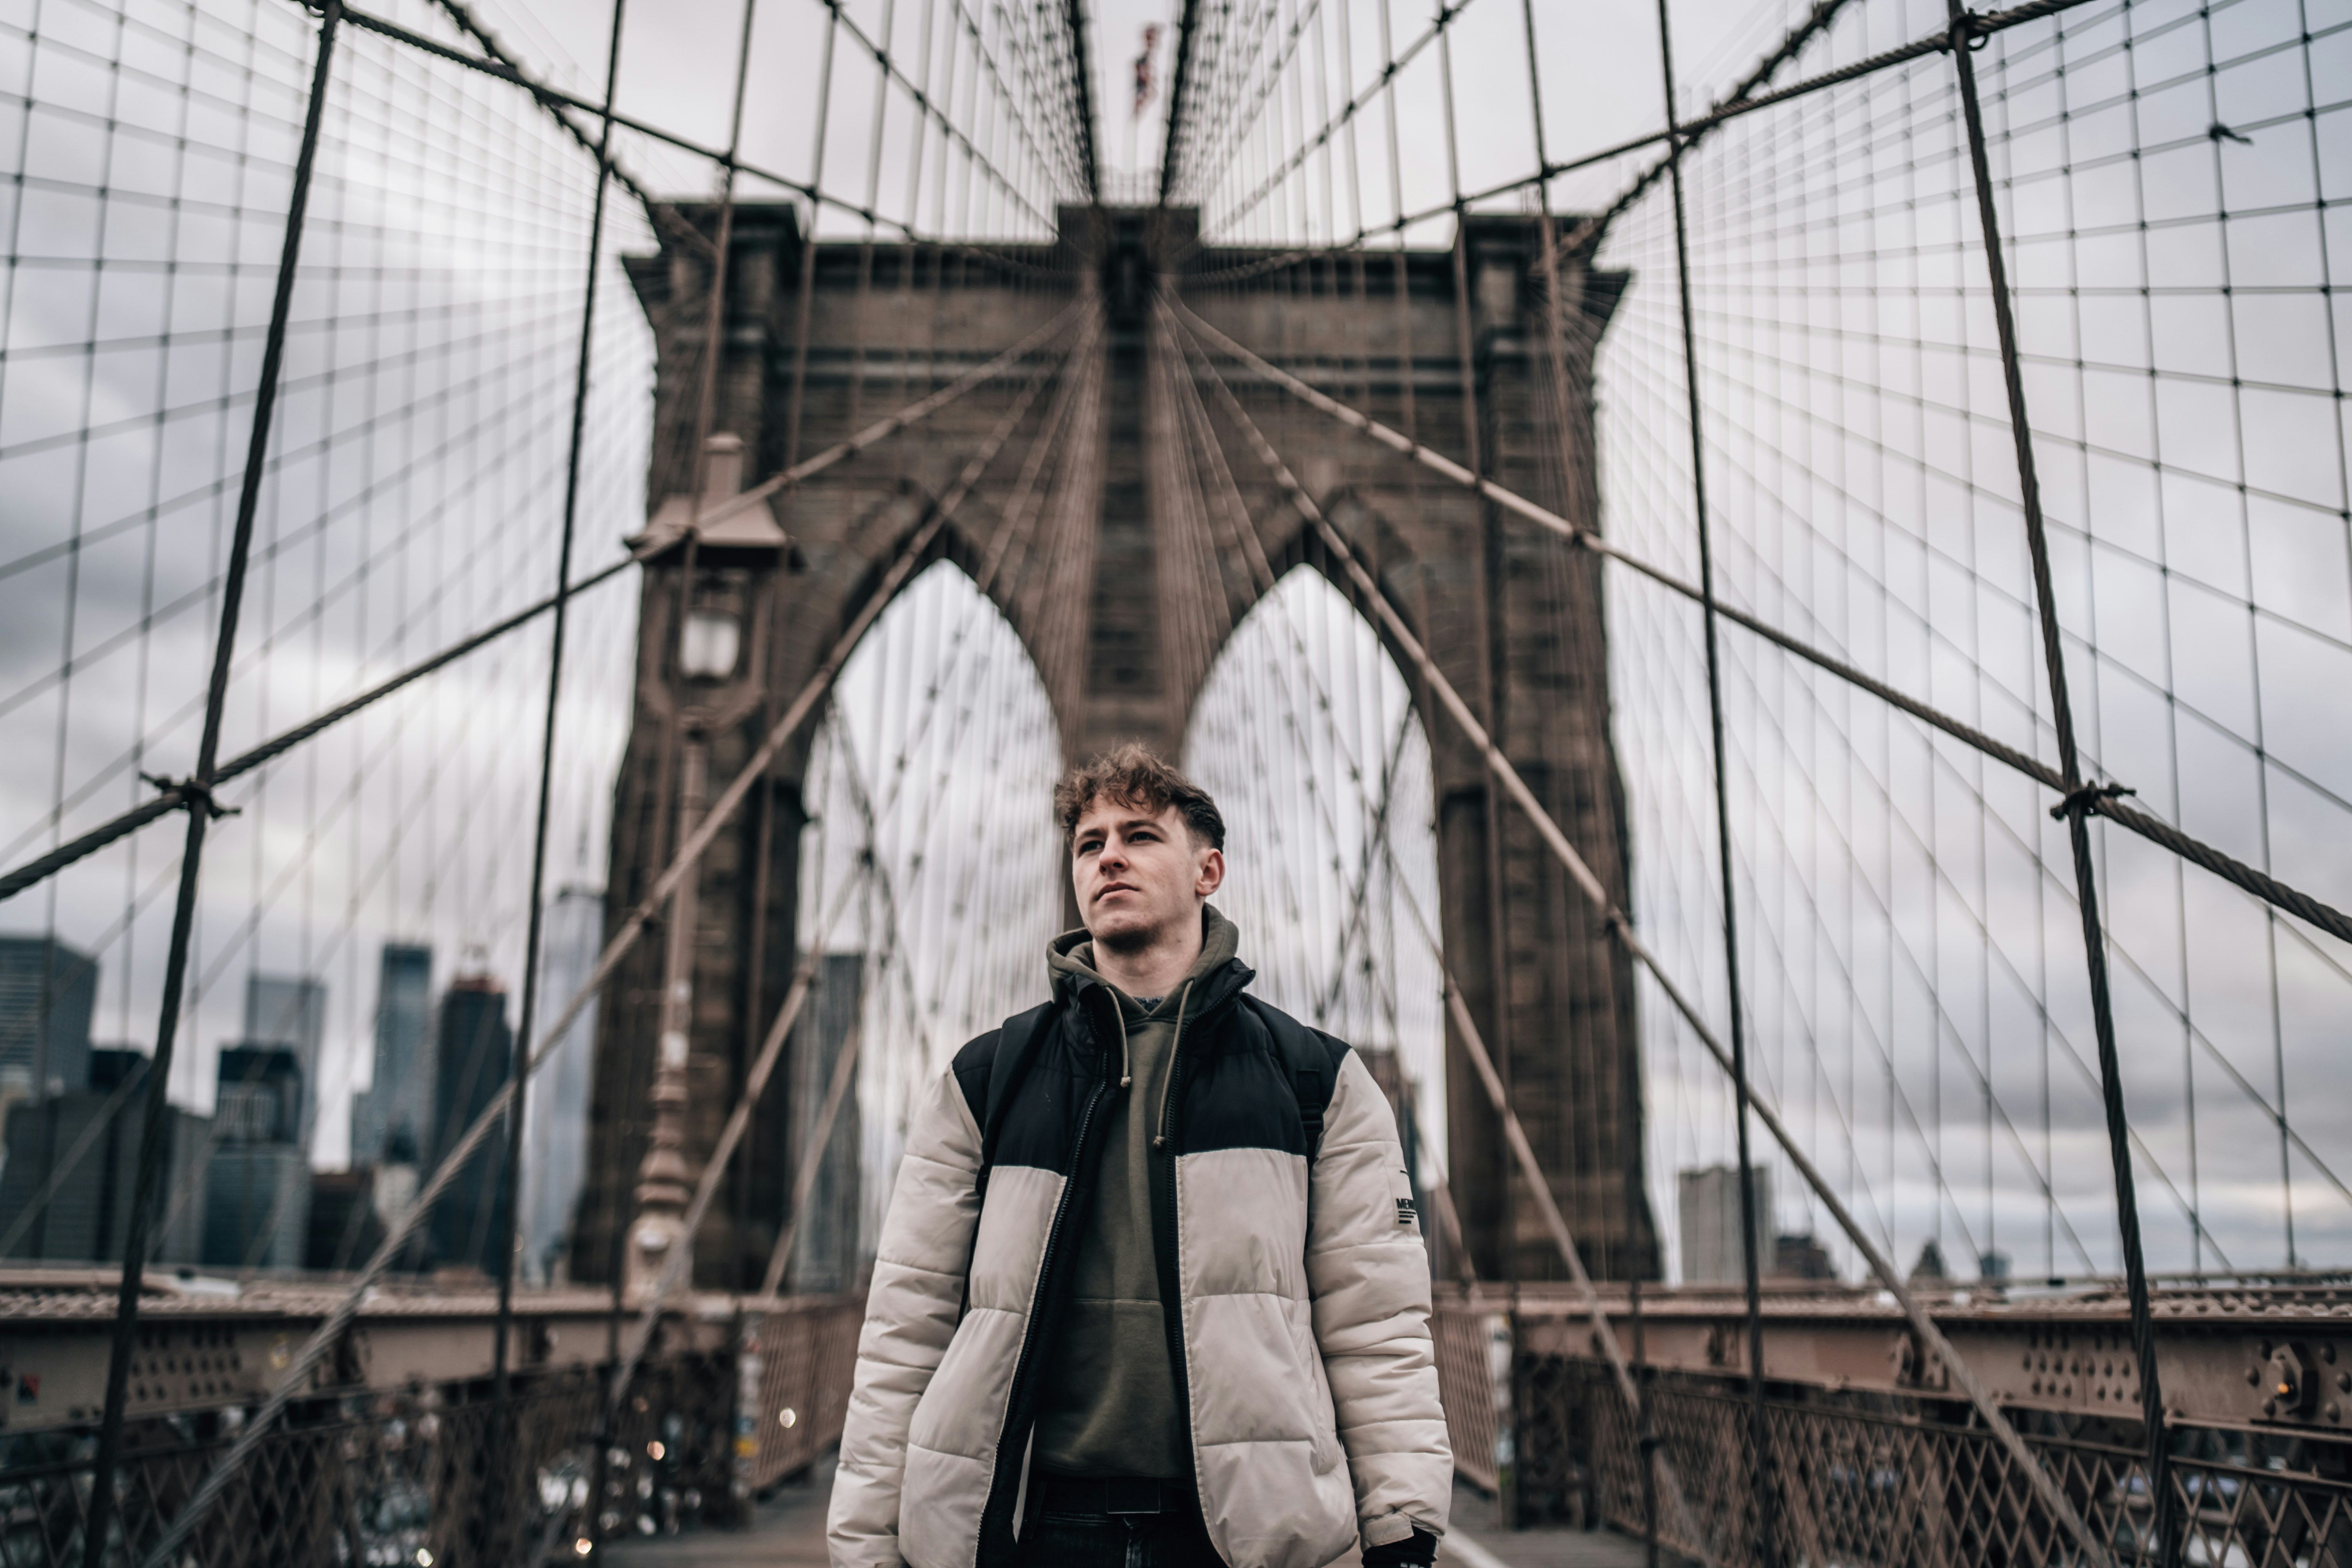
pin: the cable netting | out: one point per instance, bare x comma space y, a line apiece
1911, 946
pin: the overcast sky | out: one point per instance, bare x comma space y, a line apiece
1915, 985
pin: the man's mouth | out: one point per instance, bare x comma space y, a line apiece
1105, 892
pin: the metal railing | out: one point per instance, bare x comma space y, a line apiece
375, 1466
1874, 1456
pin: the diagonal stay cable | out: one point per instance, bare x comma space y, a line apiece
1377, 843
845, 1063
892, 423
2327, 918
173, 798
755, 1083
688, 857
2059, 1508
803, 979
820, 1141
1539, 1187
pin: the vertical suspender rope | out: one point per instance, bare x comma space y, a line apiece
200, 806
2073, 809
803, 305
1581, 636
493, 1495
714, 313
682, 756
1491, 663
1750, 1250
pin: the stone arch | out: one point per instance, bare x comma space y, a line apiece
1496, 603
1512, 617
845, 538
1331, 884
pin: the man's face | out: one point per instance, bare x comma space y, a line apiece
1136, 873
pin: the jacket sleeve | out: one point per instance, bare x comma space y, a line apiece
1369, 1276
910, 1315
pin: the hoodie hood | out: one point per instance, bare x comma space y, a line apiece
1070, 961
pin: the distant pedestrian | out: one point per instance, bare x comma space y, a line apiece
1152, 1290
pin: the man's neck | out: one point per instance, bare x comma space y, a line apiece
1157, 969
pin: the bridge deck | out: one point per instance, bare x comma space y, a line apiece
790, 1533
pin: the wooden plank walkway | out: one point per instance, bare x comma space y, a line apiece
790, 1533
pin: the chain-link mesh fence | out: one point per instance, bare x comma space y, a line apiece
1867, 1478
428, 1473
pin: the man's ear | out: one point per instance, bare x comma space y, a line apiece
1212, 873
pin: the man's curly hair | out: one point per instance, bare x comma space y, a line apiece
1134, 774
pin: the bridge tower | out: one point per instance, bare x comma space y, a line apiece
1454, 345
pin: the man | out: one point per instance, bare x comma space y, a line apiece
1151, 1288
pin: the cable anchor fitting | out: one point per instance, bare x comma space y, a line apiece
2087, 799
192, 794
1964, 33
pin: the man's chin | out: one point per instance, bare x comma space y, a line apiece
1123, 931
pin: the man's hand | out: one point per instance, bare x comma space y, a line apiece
1419, 1550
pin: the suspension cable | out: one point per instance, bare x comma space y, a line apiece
2156, 1443
1735, 1004
493, 1496
200, 806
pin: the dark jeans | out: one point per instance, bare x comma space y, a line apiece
1053, 1540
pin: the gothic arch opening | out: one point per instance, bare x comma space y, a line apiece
928, 881
1306, 732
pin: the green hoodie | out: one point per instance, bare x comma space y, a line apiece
1106, 1406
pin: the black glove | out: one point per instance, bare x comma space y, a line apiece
1419, 1550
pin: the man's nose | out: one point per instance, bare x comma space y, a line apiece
1113, 854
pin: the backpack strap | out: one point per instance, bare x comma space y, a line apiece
1016, 1045
1313, 1098
1310, 1060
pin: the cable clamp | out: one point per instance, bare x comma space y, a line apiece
191, 793
2086, 798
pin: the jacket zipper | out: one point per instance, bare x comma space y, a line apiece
1023, 1365
1172, 1285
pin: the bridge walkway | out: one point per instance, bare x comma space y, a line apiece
789, 1532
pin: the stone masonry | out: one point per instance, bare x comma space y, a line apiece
1512, 614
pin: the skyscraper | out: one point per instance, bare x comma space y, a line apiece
288, 1012
825, 1248
1713, 1249
555, 1118
89, 1208
399, 1098
48, 992
257, 1190
476, 1054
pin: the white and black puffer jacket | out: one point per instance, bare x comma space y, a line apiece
1299, 1329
